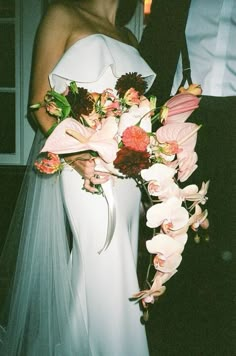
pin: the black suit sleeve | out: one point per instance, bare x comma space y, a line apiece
161, 42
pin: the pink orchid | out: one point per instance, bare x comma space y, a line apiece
180, 236
191, 193
199, 218
169, 214
158, 172
179, 108
166, 191
168, 252
156, 290
160, 178
161, 278
149, 295
102, 141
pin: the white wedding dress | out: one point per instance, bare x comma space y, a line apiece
98, 318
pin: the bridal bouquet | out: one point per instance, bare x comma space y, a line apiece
115, 126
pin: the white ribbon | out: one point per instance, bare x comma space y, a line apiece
108, 195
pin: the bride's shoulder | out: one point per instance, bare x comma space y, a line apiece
65, 16
63, 9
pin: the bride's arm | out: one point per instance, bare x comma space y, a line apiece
55, 31
50, 44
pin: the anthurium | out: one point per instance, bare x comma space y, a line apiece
187, 165
185, 135
101, 141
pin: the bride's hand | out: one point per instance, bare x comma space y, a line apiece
84, 164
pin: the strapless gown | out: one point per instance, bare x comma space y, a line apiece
99, 319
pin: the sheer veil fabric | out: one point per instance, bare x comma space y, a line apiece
73, 303
41, 293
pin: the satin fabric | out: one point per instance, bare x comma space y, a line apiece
67, 299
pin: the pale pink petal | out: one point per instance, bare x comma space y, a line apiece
182, 238
164, 277
166, 191
168, 252
179, 218
158, 172
157, 214
198, 217
171, 263
149, 299
187, 165
191, 193
164, 245
168, 211
101, 141
184, 175
178, 132
189, 190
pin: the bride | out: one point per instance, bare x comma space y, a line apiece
66, 298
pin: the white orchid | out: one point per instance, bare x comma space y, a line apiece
168, 252
160, 178
170, 215
199, 218
191, 193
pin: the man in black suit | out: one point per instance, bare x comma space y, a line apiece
209, 57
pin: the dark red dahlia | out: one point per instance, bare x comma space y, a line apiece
131, 80
130, 162
81, 103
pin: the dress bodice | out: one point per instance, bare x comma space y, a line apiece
96, 62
